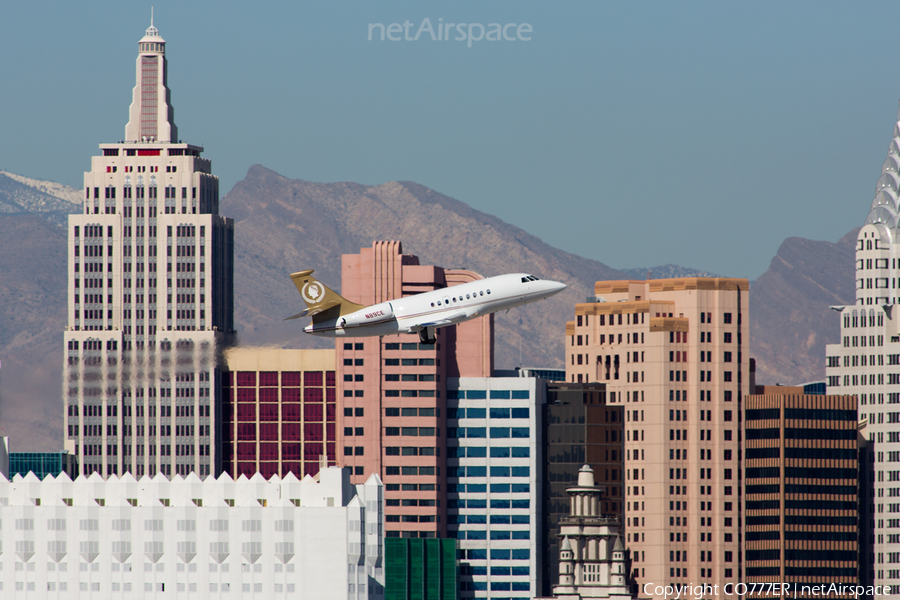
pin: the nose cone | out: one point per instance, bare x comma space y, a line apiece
555, 287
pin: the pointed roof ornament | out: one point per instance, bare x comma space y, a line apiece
152, 33
152, 30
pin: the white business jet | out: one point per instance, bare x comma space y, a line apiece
334, 316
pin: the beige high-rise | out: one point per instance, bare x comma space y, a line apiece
150, 296
673, 353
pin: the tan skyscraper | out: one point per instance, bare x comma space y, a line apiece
673, 353
150, 296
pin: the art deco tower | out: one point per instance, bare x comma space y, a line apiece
150, 296
866, 362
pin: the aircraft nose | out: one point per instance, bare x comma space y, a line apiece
556, 287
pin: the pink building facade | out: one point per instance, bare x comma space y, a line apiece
392, 408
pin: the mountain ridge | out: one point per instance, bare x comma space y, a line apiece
327, 220
283, 225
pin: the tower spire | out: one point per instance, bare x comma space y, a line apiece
151, 116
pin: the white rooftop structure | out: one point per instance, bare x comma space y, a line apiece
220, 538
591, 554
864, 362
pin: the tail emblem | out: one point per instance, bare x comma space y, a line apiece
312, 292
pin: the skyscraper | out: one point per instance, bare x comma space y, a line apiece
494, 484
672, 352
866, 362
801, 483
392, 407
579, 428
150, 296
801, 487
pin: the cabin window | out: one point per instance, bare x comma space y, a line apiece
467, 296
481, 293
489, 292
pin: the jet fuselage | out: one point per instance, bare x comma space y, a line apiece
439, 308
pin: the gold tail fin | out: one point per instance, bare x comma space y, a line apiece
322, 303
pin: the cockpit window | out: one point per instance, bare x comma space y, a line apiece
528, 278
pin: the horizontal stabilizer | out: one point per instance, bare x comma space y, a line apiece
319, 308
299, 315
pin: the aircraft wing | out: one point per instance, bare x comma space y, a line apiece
444, 321
321, 307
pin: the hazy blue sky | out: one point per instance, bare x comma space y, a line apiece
634, 133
